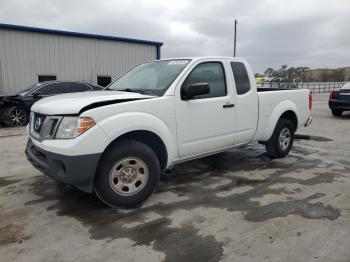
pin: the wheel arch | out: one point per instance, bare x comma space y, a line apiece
146, 137
10, 102
144, 127
290, 115
286, 110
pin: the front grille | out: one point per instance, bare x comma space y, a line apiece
43, 126
38, 122
49, 128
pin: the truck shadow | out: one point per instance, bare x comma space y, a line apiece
212, 182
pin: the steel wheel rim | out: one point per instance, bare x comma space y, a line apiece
128, 176
18, 117
284, 138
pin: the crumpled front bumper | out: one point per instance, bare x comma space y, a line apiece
75, 170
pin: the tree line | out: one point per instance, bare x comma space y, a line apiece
288, 73
307, 74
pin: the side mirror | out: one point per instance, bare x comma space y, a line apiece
189, 92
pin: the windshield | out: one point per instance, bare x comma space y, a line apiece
346, 86
25, 91
151, 78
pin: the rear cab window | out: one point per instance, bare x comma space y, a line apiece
241, 77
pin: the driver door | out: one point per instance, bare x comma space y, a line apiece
205, 122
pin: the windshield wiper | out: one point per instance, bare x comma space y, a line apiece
131, 90
140, 91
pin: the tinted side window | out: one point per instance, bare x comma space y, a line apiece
51, 89
211, 73
72, 87
241, 77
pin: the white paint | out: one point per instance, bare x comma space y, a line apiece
189, 129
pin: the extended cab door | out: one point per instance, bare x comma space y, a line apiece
206, 122
247, 104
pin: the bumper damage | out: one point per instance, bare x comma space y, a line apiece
74, 170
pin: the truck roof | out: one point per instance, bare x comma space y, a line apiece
194, 58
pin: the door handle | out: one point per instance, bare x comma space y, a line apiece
228, 105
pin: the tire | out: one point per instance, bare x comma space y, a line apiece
284, 130
127, 174
16, 116
337, 112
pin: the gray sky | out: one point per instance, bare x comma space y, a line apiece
312, 33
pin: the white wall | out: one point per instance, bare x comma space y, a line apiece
24, 55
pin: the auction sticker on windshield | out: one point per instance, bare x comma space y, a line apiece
178, 62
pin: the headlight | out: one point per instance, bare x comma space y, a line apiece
71, 127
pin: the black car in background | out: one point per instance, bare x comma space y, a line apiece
15, 110
339, 100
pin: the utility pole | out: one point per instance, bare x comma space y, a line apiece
235, 40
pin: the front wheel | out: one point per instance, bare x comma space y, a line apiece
282, 139
337, 112
16, 116
127, 175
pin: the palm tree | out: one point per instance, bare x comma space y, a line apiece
283, 69
269, 71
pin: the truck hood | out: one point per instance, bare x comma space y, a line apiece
76, 103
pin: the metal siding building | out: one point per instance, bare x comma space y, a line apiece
27, 52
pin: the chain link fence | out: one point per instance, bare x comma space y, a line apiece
315, 87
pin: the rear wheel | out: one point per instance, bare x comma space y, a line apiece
282, 139
16, 116
337, 112
127, 175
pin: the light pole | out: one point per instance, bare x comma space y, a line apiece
235, 40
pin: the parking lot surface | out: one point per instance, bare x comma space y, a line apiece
235, 206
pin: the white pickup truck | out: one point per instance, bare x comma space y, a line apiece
118, 141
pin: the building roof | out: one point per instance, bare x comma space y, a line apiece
77, 34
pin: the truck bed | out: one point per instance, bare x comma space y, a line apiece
272, 101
